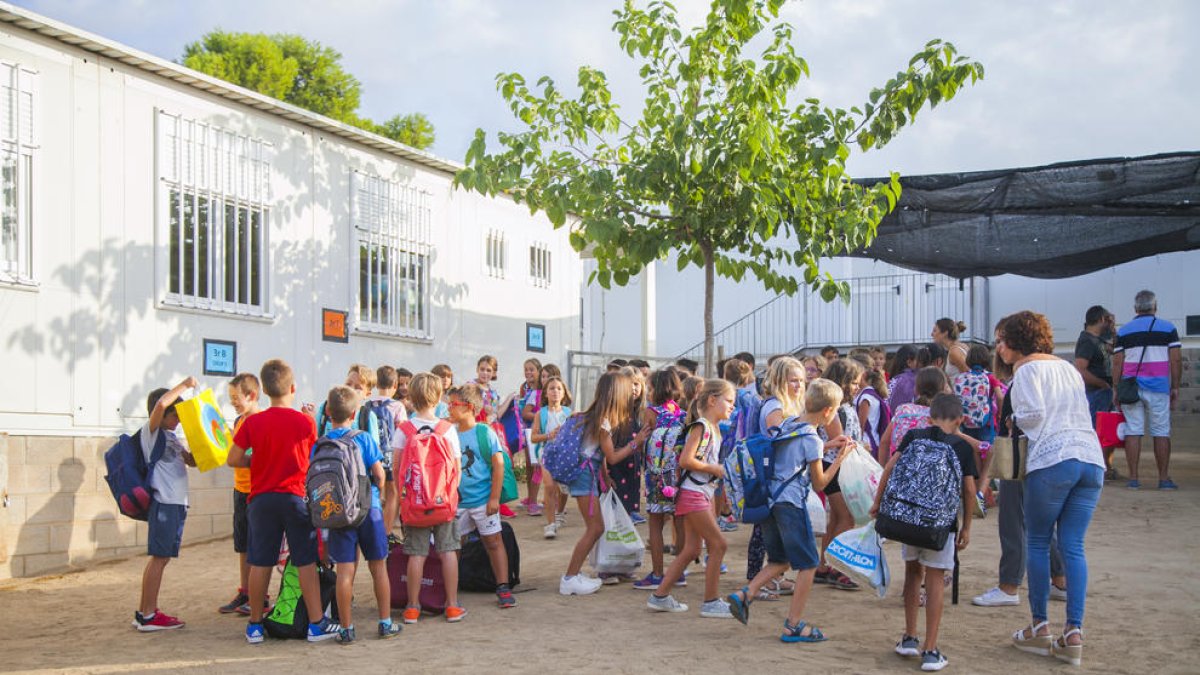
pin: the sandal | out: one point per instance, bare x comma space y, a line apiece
1028, 640
781, 586
820, 577
739, 605
1065, 651
796, 633
767, 595
840, 581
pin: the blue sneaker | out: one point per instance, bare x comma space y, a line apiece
254, 633
727, 525
648, 582
1167, 484
1133, 484
325, 630
637, 518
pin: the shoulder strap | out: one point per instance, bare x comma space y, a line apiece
321, 420
544, 417
156, 452
363, 421
441, 427
409, 429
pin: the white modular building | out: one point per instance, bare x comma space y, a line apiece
158, 223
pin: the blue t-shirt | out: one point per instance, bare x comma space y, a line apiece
372, 423
1149, 340
791, 457
476, 484
370, 455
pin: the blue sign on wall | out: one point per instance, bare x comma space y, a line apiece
535, 337
220, 357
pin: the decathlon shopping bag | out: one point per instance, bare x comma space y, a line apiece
859, 478
858, 551
207, 434
620, 549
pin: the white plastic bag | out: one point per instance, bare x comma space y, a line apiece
859, 477
816, 513
858, 551
620, 548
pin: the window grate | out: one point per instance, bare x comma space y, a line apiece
539, 265
18, 152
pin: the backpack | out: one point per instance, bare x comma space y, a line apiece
362, 421
975, 390
563, 456
743, 422
288, 619
129, 473
382, 408
750, 468
662, 452
475, 567
923, 494
338, 489
511, 428
508, 490
428, 478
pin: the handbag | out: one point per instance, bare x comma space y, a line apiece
1127, 387
1008, 458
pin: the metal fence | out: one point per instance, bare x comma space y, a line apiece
886, 310
585, 368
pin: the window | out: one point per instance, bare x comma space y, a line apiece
17, 151
539, 265
214, 191
496, 254
392, 224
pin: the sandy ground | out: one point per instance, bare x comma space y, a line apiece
1142, 613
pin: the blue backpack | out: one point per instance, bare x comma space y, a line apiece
129, 473
744, 422
387, 424
750, 468
563, 456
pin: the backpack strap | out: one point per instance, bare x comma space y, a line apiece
544, 417
156, 452
321, 420
441, 427
481, 436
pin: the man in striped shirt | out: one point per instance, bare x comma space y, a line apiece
1148, 348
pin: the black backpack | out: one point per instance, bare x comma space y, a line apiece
475, 568
289, 620
923, 496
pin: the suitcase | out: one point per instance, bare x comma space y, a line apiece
475, 568
433, 586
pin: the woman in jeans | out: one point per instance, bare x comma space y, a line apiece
1064, 475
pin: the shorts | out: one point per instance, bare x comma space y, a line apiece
938, 560
241, 522
788, 537
477, 519
584, 485
165, 533
388, 477
692, 501
1153, 411
271, 516
370, 537
445, 538
833, 486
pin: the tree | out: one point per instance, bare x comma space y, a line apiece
721, 166
301, 72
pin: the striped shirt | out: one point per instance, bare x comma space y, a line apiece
1138, 342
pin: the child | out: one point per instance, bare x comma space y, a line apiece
528, 402
873, 411
609, 411
168, 506
787, 532
814, 365
482, 479
545, 427
700, 469
691, 387
847, 374
425, 390
442, 409
486, 369
930, 382
979, 391
243, 396
281, 438
403, 377
902, 377
627, 475
390, 413
370, 536
665, 418
747, 404
920, 563
362, 380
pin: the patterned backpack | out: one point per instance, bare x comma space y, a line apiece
662, 454
975, 390
749, 470
563, 456
923, 494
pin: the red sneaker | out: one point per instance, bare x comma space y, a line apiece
506, 512
158, 621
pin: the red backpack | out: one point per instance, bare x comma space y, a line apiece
428, 477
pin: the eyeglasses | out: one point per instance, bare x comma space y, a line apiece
459, 404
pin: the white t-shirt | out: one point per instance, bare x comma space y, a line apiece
874, 410
399, 414
709, 452
1051, 408
399, 440
169, 479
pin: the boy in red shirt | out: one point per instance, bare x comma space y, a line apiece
281, 438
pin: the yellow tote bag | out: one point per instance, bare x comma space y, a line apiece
208, 437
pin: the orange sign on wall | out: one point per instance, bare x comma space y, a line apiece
334, 325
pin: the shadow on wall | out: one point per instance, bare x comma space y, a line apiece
38, 533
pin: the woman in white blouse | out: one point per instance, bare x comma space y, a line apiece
1064, 473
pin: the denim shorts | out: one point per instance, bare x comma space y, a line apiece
584, 485
273, 514
1152, 413
370, 537
788, 537
165, 532
241, 522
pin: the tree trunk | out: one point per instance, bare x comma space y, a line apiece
709, 347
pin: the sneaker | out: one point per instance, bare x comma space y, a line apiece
506, 512
1167, 484
995, 597
157, 621
236, 603
345, 636
504, 597
244, 608
389, 629
637, 518
648, 583
716, 609
534, 509
560, 518
455, 613
908, 646
610, 579
727, 525
550, 531
254, 633
577, 585
667, 604
933, 660
393, 541
980, 505
682, 583
1133, 484
1057, 593
411, 615
325, 630
1111, 474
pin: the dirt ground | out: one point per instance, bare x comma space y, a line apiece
1142, 612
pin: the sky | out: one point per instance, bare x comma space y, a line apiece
1064, 80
